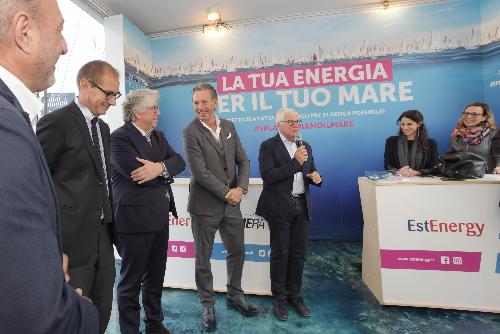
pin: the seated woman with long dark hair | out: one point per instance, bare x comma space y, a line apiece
474, 133
411, 151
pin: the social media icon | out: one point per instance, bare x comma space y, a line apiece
445, 260
262, 252
457, 260
174, 248
183, 249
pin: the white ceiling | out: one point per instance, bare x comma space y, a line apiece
154, 16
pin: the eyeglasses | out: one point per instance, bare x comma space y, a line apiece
292, 123
471, 114
155, 106
109, 94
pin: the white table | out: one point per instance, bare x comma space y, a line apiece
433, 243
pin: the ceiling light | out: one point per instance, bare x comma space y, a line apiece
386, 4
215, 22
213, 16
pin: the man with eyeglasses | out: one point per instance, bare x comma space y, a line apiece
287, 169
76, 145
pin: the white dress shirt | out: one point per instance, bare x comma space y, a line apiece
29, 102
215, 133
298, 179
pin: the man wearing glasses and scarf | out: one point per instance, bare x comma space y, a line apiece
76, 144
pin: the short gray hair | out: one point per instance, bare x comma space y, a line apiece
138, 101
280, 114
10, 8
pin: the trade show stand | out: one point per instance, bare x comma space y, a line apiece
432, 243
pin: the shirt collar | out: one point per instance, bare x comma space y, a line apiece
85, 111
217, 124
144, 133
29, 102
284, 140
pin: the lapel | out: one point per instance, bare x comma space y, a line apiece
140, 141
211, 139
224, 133
81, 124
285, 156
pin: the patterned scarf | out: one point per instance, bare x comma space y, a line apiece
415, 158
472, 136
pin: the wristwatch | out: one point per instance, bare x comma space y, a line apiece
165, 172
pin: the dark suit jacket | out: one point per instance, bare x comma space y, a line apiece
213, 169
277, 170
67, 143
142, 207
391, 156
34, 296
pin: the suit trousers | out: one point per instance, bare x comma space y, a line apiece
288, 248
144, 258
232, 234
96, 278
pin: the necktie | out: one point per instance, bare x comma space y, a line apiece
97, 148
148, 138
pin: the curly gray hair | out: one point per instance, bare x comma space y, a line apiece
138, 101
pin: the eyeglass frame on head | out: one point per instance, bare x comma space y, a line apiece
292, 122
108, 93
471, 114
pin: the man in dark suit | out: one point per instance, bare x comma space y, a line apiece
76, 145
287, 168
219, 178
143, 165
34, 295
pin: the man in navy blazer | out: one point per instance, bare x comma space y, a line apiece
34, 295
144, 165
287, 169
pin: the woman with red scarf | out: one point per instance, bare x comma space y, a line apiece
474, 133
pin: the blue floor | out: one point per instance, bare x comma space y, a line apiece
337, 297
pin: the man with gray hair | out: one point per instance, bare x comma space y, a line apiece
35, 296
219, 178
144, 165
287, 169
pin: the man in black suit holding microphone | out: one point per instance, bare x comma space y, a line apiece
287, 168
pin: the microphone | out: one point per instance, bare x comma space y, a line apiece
298, 140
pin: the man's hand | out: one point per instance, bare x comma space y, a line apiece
301, 155
149, 171
315, 177
407, 171
65, 267
234, 195
80, 292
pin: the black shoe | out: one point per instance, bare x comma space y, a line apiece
238, 303
208, 319
163, 330
280, 310
299, 307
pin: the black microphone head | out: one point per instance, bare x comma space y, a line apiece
298, 139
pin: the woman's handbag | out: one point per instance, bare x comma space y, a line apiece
461, 165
